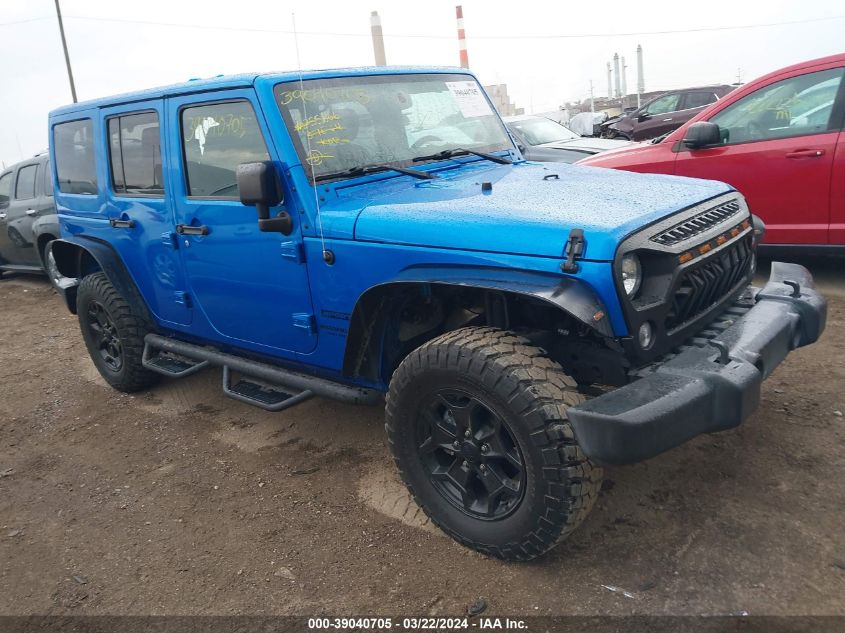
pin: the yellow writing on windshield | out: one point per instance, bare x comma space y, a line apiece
332, 140
325, 95
316, 157
317, 119
322, 131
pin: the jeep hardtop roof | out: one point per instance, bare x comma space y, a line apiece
245, 80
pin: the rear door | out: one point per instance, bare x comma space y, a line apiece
138, 209
778, 151
251, 286
21, 213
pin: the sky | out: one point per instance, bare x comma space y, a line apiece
547, 52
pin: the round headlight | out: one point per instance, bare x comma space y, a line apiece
632, 274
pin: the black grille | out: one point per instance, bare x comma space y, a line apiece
708, 283
698, 224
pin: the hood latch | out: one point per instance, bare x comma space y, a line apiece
575, 245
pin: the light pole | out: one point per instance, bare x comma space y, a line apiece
64, 48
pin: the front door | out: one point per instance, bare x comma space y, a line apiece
252, 287
778, 151
658, 117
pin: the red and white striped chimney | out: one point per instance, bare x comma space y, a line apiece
462, 37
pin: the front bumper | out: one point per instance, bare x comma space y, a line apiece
712, 383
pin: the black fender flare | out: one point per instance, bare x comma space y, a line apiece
572, 296
85, 255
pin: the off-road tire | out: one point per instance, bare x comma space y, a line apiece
531, 393
131, 329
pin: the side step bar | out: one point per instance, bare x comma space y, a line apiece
268, 398
247, 391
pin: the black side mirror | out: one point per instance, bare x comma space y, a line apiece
643, 116
702, 134
259, 186
4, 202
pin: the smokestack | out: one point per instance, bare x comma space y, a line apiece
640, 78
624, 78
616, 75
609, 82
378, 39
462, 37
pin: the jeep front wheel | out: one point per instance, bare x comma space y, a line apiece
476, 421
113, 335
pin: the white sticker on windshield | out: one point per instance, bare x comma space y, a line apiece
470, 98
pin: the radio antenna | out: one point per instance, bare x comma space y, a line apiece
328, 256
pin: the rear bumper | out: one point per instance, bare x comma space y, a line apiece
713, 383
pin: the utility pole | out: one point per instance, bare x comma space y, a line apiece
739, 75
64, 48
378, 39
592, 101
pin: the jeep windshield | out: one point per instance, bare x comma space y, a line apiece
341, 125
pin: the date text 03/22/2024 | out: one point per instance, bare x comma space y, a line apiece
413, 624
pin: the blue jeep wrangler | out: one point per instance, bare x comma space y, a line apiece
351, 233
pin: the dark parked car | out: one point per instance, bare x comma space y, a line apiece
664, 113
28, 219
542, 139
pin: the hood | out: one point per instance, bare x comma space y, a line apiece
587, 144
530, 210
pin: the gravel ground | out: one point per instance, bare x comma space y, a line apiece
181, 501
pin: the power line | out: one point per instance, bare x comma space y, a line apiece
14, 22
450, 37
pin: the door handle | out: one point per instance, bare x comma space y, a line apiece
806, 153
31, 212
667, 120
187, 229
122, 224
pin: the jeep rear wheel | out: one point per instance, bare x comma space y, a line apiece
113, 335
476, 421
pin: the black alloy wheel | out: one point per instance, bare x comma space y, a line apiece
106, 337
470, 454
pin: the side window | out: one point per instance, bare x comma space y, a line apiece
662, 105
793, 107
73, 144
135, 154
5, 189
697, 100
25, 187
216, 138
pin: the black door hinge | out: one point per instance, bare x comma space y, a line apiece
574, 248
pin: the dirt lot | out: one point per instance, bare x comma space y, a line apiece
183, 501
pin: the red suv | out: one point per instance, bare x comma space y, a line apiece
779, 140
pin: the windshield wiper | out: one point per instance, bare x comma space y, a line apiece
372, 169
463, 151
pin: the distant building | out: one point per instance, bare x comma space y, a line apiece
499, 96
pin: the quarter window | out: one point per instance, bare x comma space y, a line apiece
135, 154
25, 187
73, 144
216, 139
797, 106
